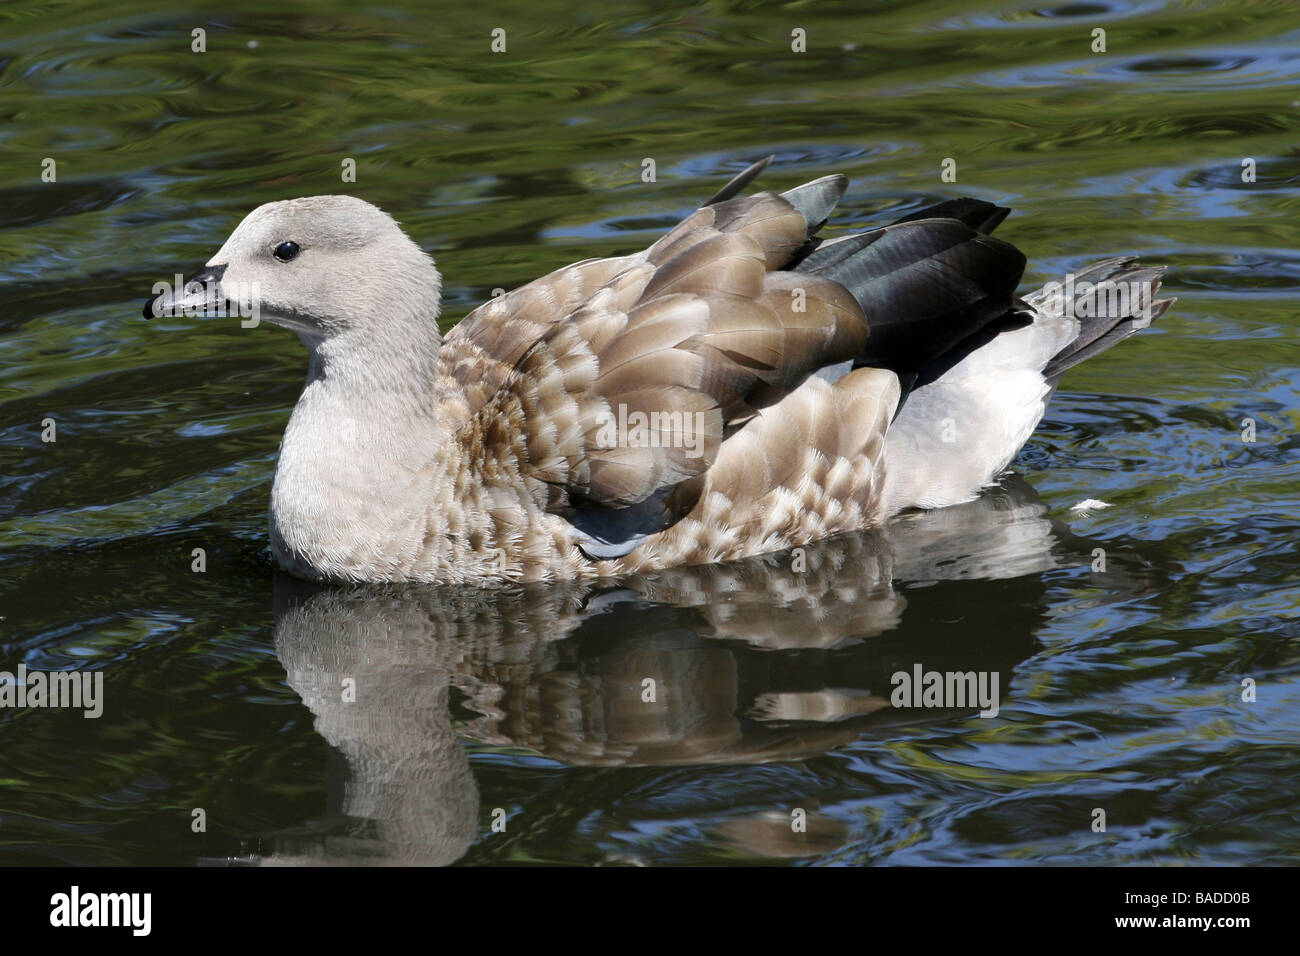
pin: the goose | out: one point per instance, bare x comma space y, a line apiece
741, 387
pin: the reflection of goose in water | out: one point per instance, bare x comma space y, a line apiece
751, 662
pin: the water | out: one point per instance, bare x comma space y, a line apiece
224, 690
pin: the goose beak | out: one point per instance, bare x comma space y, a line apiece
199, 295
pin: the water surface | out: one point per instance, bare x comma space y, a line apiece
224, 689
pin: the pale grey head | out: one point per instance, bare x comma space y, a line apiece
324, 266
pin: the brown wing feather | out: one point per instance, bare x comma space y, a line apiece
693, 334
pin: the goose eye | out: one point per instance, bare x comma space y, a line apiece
286, 251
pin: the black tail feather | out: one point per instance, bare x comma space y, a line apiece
981, 216
925, 285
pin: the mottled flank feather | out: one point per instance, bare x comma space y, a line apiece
804, 469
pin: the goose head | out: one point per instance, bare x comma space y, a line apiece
323, 266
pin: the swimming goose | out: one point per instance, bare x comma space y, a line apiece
740, 387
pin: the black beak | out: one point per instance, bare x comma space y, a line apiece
198, 292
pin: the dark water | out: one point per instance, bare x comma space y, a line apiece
224, 690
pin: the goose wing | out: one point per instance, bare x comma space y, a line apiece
614, 382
